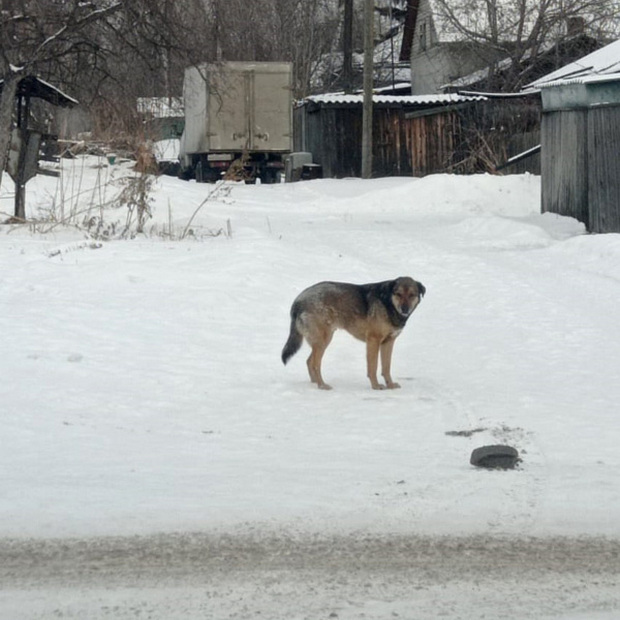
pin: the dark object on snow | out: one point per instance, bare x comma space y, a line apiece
495, 457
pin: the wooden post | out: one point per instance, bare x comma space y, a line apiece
369, 49
7, 106
23, 111
20, 202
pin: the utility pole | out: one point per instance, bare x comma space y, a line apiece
368, 82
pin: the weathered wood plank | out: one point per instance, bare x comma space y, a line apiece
470, 138
604, 169
564, 164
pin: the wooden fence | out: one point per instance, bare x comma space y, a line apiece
413, 141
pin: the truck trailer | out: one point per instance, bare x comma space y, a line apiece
238, 117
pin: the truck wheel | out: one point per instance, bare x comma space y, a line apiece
185, 174
270, 176
206, 174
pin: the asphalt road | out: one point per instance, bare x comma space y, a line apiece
287, 577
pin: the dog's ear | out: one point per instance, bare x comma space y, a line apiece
421, 289
385, 290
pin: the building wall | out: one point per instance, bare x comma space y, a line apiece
429, 70
604, 169
436, 62
564, 164
580, 140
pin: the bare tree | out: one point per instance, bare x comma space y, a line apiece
38, 36
303, 32
519, 30
105, 53
310, 37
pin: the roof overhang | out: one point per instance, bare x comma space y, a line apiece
406, 101
32, 86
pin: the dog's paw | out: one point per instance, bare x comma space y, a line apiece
324, 386
393, 385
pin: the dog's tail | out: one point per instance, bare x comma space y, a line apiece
295, 340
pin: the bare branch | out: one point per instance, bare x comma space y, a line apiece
95, 15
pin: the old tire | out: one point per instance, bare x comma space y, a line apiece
495, 457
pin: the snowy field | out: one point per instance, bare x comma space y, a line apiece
143, 393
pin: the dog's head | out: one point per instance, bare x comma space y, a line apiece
406, 295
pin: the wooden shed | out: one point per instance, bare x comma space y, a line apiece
412, 135
580, 140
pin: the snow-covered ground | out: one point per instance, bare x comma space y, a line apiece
142, 389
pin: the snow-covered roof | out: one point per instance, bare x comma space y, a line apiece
502, 65
476, 76
601, 65
33, 86
411, 100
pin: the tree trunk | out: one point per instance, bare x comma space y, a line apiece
7, 105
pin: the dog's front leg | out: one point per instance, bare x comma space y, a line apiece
386, 363
372, 359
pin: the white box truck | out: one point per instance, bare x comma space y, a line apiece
237, 112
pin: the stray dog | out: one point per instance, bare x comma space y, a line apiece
374, 313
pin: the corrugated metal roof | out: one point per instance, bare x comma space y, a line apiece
586, 79
601, 65
409, 100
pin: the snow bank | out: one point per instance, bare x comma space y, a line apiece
142, 388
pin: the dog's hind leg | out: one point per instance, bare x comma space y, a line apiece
386, 363
318, 344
